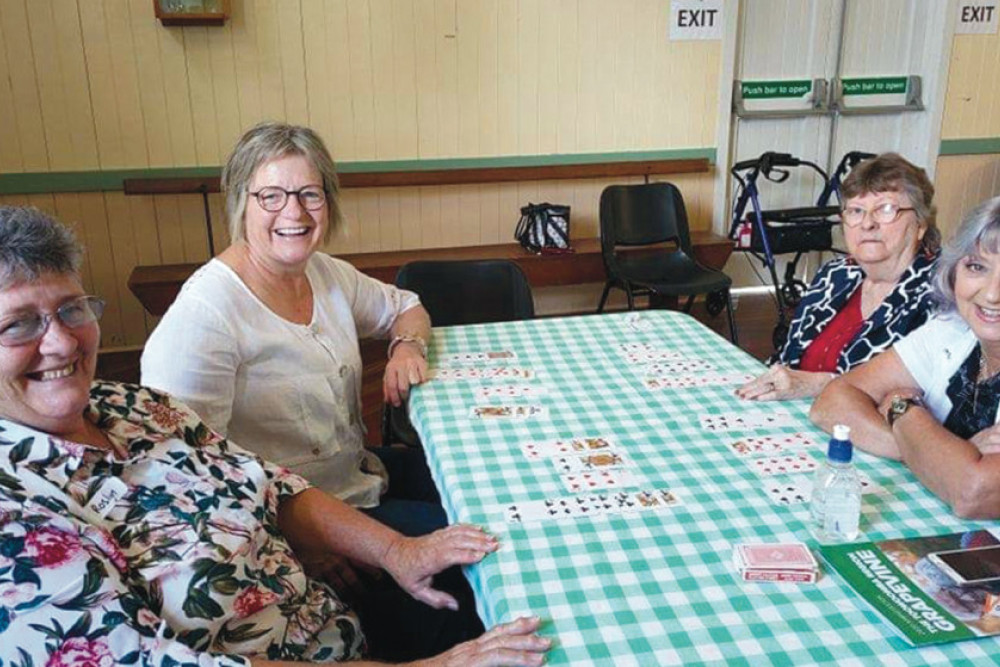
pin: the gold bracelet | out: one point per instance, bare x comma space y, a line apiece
408, 338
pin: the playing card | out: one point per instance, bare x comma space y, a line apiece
771, 444
554, 448
490, 373
785, 556
783, 465
460, 358
582, 482
601, 460
652, 356
794, 491
503, 391
738, 421
688, 381
507, 411
635, 322
590, 505
679, 366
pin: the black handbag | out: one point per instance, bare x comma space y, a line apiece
543, 226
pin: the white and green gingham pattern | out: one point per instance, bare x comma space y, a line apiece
655, 588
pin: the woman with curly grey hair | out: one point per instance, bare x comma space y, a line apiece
932, 399
132, 533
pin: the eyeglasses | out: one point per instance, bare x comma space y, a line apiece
884, 214
273, 199
28, 327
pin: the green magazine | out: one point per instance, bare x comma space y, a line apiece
924, 606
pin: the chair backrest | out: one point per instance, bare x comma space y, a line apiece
643, 215
469, 291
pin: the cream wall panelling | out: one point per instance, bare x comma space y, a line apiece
972, 106
962, 183
99, 84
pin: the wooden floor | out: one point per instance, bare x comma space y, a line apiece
755, 319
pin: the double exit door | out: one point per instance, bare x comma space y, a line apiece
819, 78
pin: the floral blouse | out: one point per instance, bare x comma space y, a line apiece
170, 557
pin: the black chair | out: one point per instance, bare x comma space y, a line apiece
459, 292
650, 214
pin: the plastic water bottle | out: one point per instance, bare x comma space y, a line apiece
836, 501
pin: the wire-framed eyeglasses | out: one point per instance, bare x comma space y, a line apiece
272, 198
883, 214
25, 328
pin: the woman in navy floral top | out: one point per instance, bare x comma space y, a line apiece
859, 305
130, 533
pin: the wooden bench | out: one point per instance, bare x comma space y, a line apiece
156, 287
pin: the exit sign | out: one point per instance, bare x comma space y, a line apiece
976, 17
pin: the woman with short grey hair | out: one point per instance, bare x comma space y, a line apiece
932, 399
134, 534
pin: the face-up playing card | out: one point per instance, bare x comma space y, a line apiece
688, 381
592, 505
491, 373
789, 492
600, 460
652, 356
783, 465
680, 366
507, 411
742, 421
555, 448
461, 358
504, 391
771, 444
798, 490
595, 480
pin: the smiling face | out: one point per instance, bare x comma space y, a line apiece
45, 384
284, 240
977, 297
892, 245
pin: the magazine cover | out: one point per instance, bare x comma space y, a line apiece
923, 603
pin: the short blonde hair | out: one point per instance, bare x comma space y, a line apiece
270, 141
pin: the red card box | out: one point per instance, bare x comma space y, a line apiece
796, 576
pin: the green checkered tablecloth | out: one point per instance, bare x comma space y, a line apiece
655, 588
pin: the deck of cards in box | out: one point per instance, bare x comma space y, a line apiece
790, 561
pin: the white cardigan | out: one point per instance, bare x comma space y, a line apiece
289, 392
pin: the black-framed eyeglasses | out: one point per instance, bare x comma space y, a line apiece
884, 214
28, 327
272, 199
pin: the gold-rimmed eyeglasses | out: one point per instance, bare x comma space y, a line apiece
24, 328
883, 214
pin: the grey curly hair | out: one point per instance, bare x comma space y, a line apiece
33, 243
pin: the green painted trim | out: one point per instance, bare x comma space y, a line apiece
976, 146
110, 180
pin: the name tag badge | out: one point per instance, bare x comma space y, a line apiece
109, 493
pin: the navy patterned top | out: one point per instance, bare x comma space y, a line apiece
903, 310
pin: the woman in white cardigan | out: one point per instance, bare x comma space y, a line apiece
263, 340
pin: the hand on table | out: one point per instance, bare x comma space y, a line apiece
413, 561
405, 368
781, 383
510, 644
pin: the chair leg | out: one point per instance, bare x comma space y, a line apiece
688, 304
732, 319
629, 296
604, 297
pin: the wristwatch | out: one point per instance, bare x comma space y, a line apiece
899, 406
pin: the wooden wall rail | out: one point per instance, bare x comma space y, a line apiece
156, 287
384, 179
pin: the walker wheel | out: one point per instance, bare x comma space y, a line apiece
715, 302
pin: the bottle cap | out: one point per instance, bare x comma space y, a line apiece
840, 449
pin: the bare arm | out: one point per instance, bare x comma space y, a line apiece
780, 383
952, 468
316, 524
854, 397
407, 365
